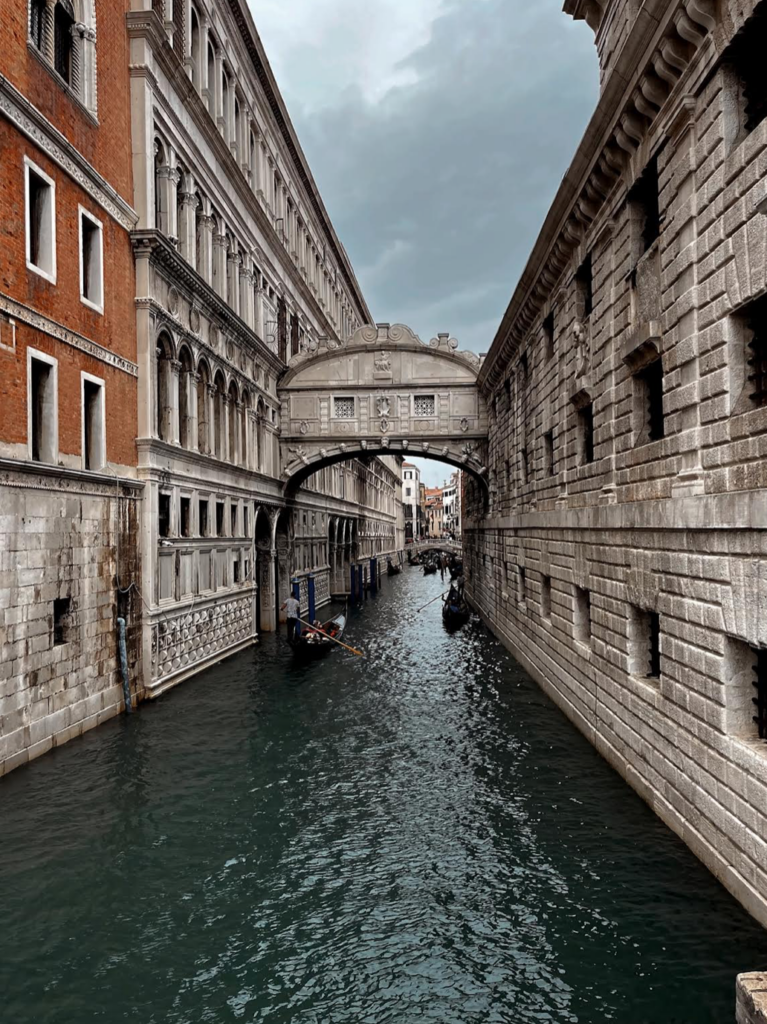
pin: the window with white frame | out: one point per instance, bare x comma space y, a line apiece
94, 423
91, 261
42, 407
425, 405
40, 203
343, 408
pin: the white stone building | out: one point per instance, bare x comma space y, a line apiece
237, 267
411, 504
451, 502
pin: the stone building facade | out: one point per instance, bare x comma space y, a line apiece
69, 495
238, 271
623, 556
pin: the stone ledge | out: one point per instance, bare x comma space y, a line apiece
643, 347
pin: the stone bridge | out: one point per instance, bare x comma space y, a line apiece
450, 547
382, 392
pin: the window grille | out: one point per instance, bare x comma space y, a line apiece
343, 408
425, 405
760, 701
36, 15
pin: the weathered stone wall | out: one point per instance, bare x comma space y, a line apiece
752, 999
68, 546
601, 527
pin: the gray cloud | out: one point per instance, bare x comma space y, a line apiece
439, 186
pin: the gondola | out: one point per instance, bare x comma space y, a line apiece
393, 570
316, 643
430, 568
455, 612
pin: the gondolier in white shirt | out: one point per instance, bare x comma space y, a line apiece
293, 609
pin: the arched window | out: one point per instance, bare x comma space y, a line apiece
220, 413
196, 51
165, 410
36, 23
63, 25
203, 419
232, 424
211, 80
260, 436
160, 187
186, 383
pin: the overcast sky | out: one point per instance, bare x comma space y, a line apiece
437, 132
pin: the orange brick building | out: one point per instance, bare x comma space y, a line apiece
68, 371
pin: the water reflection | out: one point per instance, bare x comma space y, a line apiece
417, 835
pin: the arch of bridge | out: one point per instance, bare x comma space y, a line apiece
382, 392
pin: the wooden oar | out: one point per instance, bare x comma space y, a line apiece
318, 629
419, 610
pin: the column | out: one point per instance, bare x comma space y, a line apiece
259, 297
205, 269
173, 379
224, 428
192, 381
211, 400
234, 262
48, 35
218, 91
246, 293
238, 413
187, 234
219, 264
204, 78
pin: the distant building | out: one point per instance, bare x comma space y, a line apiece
434, 512
451, 500
411, 501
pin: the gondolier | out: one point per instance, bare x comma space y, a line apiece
293, 609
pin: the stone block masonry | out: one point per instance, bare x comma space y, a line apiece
68, 556
752, 999
623, 554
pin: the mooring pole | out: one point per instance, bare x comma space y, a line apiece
297, 595
373, 576
354, 584
361, 582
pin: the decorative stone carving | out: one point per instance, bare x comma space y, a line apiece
194, 320
383, 362
304, 428
464, 425
582, 349
384, 426
173, 301
383, 406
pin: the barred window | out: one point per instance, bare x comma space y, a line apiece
343, 408
425, 405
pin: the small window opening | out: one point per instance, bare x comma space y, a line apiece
163, 515
645, 207
525, 466
233, 520
36, 16
585, 434
246, 521
548, 453
524, 368
548, 336
63, 25
646, 644
760, 684
582, 613
584, 283
62, 620
236, 571
186, 517
649, 382
521, 585
753, 319
93, 425
203, 514
745, 60
220, 509
546, 597
43, 404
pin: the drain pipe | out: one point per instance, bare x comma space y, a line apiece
124, 664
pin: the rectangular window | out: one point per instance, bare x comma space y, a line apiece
546, 597
408, 492
233, 520
525, 465
203, 513
548, 337
94, 425
343, 408
548, 453
425, 405
163, 515
582, 615
645, 643
246, 521
62, 620
644, 204
220, 509
745, 689
40, 193
521, 585
584, 284
751, 359
744, 65
648, 399
42, 412
585, 434
236, 570
186, 517
91, 261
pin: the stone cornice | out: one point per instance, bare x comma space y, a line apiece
664, 42
30, 122
42, 477
25, 314
158, 249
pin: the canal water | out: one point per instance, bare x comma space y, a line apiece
419, 835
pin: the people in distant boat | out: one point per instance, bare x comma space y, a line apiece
292, 607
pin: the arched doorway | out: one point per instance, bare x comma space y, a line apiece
281, 562
265, 619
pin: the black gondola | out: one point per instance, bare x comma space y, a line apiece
430, 568
393, 570
316, 643
455, 612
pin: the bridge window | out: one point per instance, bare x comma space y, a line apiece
546, 597
425, 405
745, 689
548, 337
343, 408
646, 643
582, 615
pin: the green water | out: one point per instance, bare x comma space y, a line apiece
417, 836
